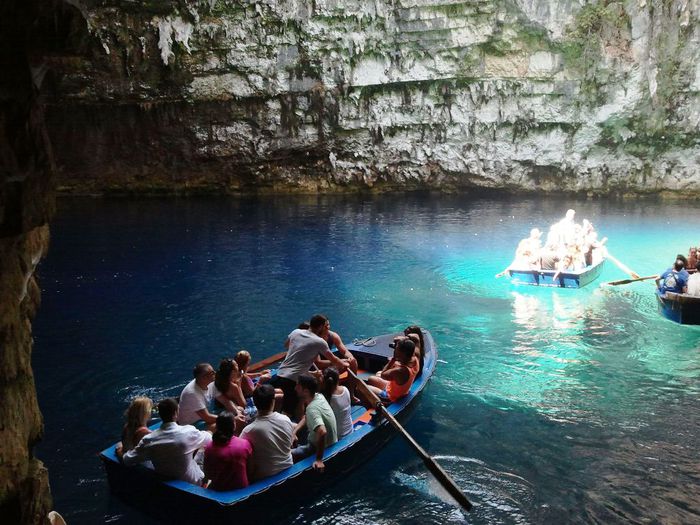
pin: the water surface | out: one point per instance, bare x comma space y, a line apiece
551, 406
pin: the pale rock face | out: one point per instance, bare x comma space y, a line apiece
529, 94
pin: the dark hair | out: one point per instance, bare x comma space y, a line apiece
264, 397
406, 347
682, 258
304, 325
223, 374
415, 329
167, 409
200, 370
308, 382
330, 381
317, 321
678, 265
697, 265
225, 426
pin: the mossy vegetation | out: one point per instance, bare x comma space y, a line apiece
642, 137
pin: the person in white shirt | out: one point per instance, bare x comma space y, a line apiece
197, 395
170, 448
270, 434
338, 398
694, 282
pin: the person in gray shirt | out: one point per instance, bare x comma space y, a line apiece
303, 346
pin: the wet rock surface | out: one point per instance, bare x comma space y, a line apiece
26, 204
516, 95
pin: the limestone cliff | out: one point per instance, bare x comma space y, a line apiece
26, 203
236, 95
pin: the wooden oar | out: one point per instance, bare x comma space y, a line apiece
260, 365
622, 267
443, 477
627, 281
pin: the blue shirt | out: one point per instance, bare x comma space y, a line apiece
673, 281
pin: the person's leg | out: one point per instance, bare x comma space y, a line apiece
290, 399
377, 382
302, 451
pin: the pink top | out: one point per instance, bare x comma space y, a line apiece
225, 465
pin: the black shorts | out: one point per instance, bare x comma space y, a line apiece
291, 400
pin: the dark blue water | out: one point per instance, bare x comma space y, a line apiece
553, 406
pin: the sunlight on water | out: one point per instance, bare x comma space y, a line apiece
548, 403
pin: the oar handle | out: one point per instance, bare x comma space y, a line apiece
622, 267
443, 477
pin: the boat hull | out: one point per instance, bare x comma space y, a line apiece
679, 308
564, 279
180, 502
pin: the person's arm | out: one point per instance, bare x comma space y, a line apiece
228, 405
340, 364
133, 456
320, 447
250, 464
297, 428
206, 416
347, 354
398, 374
237, 394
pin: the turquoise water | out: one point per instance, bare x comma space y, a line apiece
551, 406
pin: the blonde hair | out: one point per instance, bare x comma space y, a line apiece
243, 360
137, 415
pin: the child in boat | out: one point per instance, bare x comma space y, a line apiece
136, 426
395, 379
247, 384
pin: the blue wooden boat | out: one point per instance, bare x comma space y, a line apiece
678, 307
181, 502
568, 279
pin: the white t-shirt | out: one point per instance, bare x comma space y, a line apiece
694, 284
271, 437
342, 407
304, 346
193, 399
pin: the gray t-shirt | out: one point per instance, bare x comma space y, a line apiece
304, 346
271, 437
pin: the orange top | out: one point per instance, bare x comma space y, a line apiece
396, 391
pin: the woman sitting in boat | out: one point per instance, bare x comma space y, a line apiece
227, 385
227, 459
338, 398
137, 416
394, 381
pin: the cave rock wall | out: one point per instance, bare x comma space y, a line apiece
537, 95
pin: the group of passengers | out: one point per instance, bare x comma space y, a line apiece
260, 431
569, 246
678, 279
